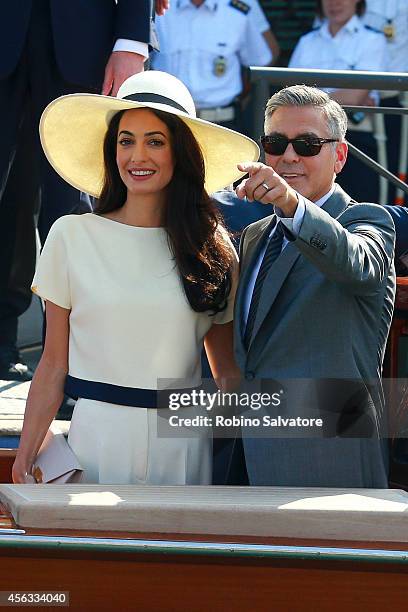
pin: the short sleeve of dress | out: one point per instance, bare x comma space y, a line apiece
227, 315
51, 279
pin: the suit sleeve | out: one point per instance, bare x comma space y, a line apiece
134, 21
357, 249
242, 246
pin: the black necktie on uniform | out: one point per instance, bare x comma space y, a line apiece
272, 251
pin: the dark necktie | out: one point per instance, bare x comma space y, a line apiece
272, 251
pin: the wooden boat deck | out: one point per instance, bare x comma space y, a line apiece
127, 570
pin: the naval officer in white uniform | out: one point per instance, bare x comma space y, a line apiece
205, 43
391, 17
343, 42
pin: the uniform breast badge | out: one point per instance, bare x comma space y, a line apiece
220, 66
389, 31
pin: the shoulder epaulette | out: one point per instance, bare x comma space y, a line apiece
243, 7
368, 27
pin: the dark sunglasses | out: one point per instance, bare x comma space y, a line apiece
305, 146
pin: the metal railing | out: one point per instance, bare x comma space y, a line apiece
262, 78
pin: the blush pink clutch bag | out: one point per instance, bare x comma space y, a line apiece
56, 462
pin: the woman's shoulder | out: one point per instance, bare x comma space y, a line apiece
71, 223
370, 31
68, 221
301, 53
366, 32
312, 34
70, 232
224, 235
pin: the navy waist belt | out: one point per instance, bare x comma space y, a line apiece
115, 394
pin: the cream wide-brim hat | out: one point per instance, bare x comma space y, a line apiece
73, 127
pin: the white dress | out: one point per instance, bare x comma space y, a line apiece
130, 325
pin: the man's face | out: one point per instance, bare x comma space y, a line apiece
313, 176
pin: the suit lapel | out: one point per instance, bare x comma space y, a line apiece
273, 283
337, 203
280, 269
254, 246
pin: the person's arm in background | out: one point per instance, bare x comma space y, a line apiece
261, 22
46, 391
352, 97
255, 49
161, 6
218, 344
273, 44
134, 33
373, 57
218, 341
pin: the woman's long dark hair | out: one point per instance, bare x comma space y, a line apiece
360, 8
202, 255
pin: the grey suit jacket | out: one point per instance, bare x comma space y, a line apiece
324, 313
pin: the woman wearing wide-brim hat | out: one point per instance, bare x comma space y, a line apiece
134, 289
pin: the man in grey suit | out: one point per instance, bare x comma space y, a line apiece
314, 304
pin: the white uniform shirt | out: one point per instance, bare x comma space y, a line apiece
192, 41
258, 16
355, 47
392, 13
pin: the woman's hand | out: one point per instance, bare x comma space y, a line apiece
46, 392
20, 474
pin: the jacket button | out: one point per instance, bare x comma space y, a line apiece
318, 244
249, 375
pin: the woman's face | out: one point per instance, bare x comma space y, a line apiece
144, 152
339, 12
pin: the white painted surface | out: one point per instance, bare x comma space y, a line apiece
335, 514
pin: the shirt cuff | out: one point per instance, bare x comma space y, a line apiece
287, 221
132, 46
299, 215
293, 223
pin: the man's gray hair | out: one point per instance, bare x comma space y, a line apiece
303, 95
